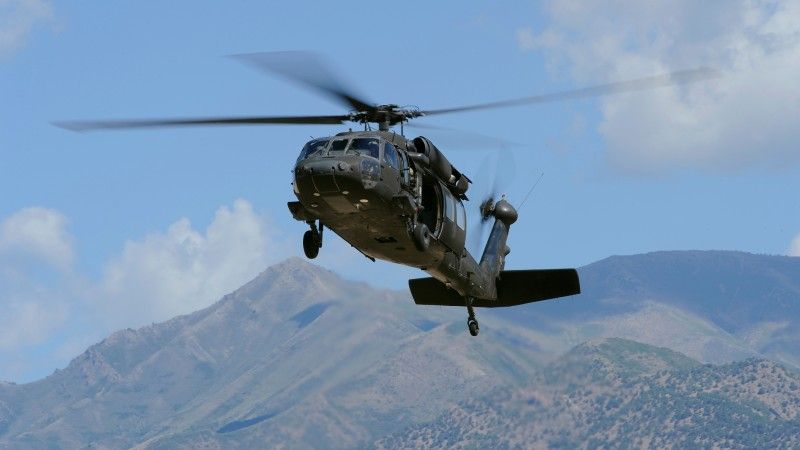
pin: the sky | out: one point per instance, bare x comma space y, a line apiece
110, 230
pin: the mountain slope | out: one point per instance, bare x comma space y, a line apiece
618, 393
299, 358
296, 345
716, 306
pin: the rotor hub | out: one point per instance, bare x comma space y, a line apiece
385, 115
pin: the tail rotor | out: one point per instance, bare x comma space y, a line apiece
494, 178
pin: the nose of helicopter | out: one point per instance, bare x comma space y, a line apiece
343, 180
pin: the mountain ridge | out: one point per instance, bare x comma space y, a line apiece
734, 304
307, 359
274, 350
598, 395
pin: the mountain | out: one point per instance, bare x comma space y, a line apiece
298, 357
618, 393
716, 306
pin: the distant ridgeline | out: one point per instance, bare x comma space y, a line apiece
619, 393
300, 358
714, 306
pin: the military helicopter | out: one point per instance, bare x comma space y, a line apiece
401, 200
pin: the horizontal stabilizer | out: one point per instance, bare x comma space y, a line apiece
514, 287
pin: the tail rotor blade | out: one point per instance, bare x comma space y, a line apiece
491, 181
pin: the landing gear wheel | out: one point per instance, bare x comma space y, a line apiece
472, 324
311, 244
422, 237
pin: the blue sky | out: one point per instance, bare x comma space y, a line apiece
102, 231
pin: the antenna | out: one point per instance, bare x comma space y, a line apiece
531, 190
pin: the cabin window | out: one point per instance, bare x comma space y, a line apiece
314, 147
461, 216
431, 205
364, 147
390, 155
404, 169
338, 146
449, 206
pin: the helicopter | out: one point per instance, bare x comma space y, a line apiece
401, 200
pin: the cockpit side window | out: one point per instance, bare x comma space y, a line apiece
338, 146
449, 205
390, 155
461, 215
314, 147
404, 172
364, 147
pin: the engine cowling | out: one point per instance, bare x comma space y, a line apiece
439, 165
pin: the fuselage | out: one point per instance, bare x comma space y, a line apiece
371, 191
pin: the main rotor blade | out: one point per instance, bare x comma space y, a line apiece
306, 68
463, 140
639, 84
159, 123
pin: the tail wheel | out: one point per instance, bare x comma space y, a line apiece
422, 237
474, 329
310, 244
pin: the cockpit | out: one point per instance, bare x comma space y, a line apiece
340, 146
315, 147
357, 146
367, 157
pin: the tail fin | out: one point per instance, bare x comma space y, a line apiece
493, 259
514, 287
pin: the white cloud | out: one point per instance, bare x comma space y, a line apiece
17, 19
38, 233
747, 118
30, 320
794, 248
49, 319
34, 303
183, 269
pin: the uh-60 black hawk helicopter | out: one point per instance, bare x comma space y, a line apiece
399, 199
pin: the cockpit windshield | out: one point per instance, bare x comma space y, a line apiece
337, 147
364, 147
369, 146
357, 146
313, 147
